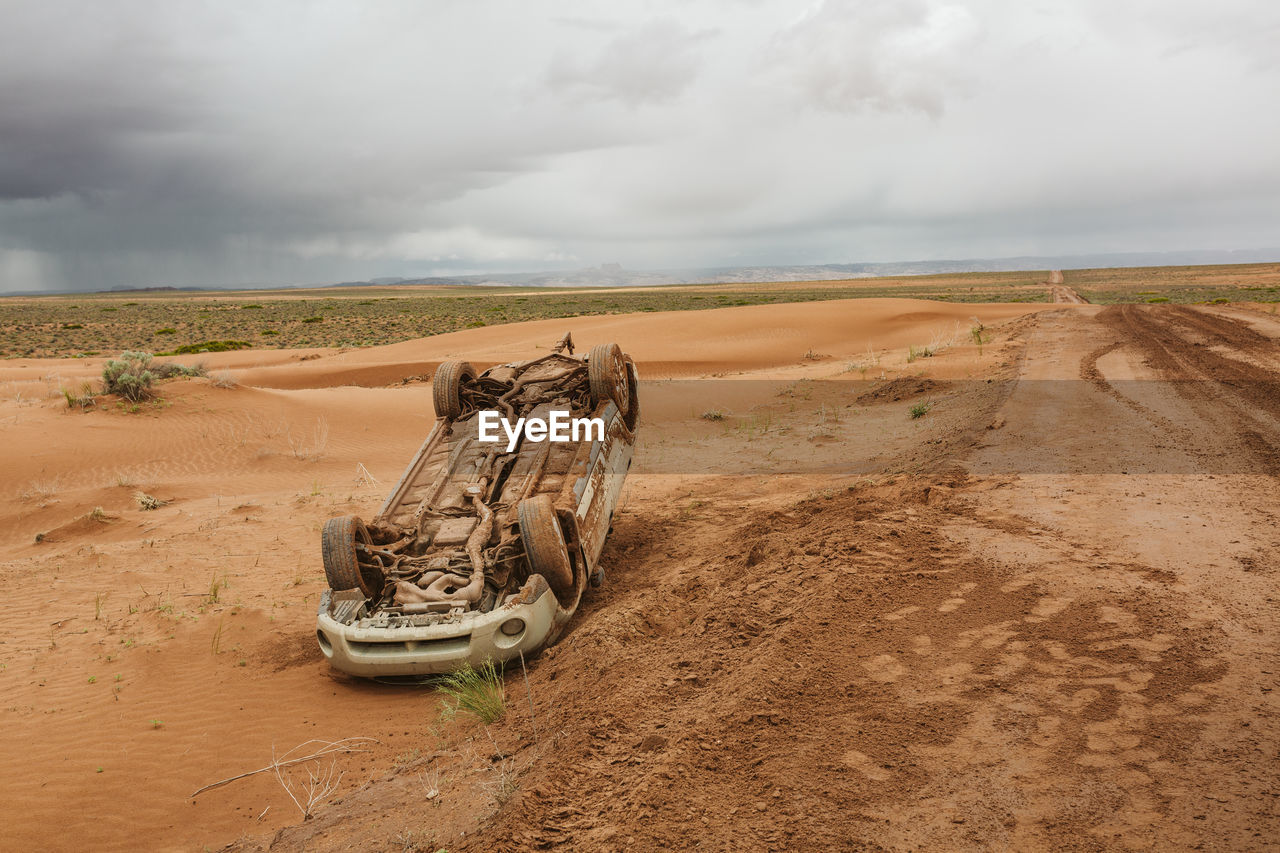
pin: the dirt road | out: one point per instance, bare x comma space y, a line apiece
1061, 294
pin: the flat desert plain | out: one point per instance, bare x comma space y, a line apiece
1017, 592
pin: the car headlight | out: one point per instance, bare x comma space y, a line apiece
512, 627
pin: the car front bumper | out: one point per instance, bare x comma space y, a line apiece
436, 649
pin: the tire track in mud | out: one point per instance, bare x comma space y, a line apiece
1214, 383
1090, 373
1213, 787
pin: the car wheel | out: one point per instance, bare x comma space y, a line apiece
544, 544
632, 415
342, 565
445, 385
609, 378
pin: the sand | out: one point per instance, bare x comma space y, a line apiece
960, 631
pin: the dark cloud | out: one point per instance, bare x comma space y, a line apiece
81, 98
149, 142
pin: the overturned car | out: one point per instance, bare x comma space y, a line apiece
485, 547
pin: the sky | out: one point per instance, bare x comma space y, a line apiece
169, 143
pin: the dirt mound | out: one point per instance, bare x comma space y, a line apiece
817, 676
902, 388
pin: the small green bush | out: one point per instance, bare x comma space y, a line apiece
73, 325
129, 376
478, 692
919, 410
269, 332
83, 400
914, 353
313, 319
978, 333
1157, 300
166, 331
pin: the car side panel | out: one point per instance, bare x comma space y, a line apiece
599, 488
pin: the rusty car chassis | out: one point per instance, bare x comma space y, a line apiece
481, 552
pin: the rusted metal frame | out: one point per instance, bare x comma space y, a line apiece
407, 479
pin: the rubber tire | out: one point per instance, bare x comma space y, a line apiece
607, 372
338, 552
544, 544
632, 415
448, 379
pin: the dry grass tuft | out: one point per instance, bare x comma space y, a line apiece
147, 502
223, 379
310, 449
41, 492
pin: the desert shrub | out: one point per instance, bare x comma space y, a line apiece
1158, 300
269, 332
712, 415
73, 325
167, 369
313, 319
478, 692
129, 376
209, 346
919, 410
166, 331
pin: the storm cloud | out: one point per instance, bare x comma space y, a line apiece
193, 144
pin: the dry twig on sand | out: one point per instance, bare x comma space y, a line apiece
327, 748
318, 786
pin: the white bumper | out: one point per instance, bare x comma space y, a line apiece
436, 649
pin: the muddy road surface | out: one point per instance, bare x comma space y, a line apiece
1066, 296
